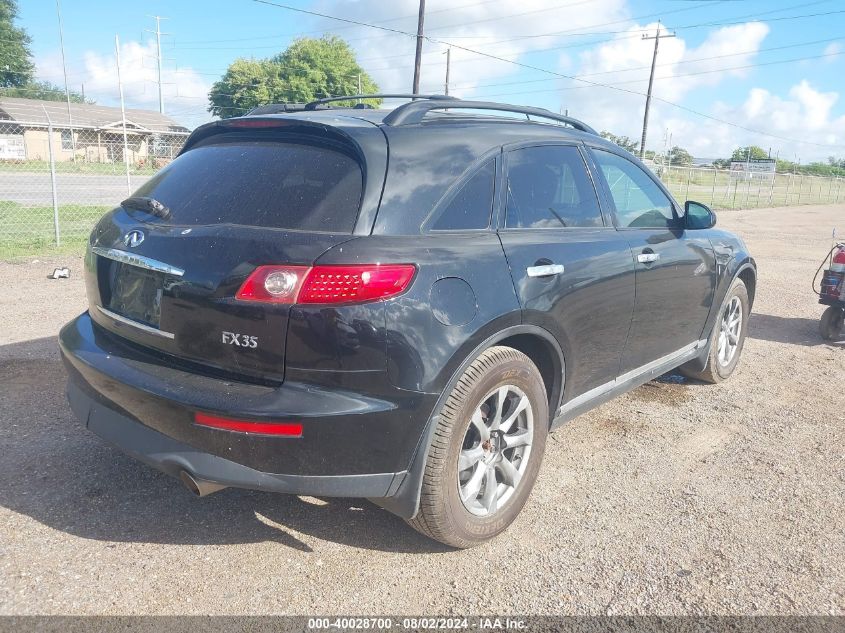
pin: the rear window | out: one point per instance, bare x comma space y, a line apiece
255, 183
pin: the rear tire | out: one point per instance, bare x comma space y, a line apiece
830, 326
486, 451
727, 339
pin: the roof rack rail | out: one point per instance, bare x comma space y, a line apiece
415, 111
314, 104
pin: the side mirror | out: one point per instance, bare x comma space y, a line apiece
698, 216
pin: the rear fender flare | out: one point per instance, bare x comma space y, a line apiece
405, 502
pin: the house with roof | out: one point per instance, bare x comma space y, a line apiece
88, 132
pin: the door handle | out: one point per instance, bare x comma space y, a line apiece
545, 271
648, 258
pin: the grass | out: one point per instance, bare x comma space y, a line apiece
28, 231
720, 191
75, 167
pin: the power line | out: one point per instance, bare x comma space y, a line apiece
754, 16
544, 70
300, 33
694, 60
693, 74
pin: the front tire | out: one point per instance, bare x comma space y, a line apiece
486, 450
727, 339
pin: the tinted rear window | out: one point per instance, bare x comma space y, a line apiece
254, 183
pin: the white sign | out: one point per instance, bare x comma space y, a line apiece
12, 147
758, 165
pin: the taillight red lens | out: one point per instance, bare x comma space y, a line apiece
355, 284
273, 284
326, 284
287, 429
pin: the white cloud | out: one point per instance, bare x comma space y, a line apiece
680, 70
803, 115
183, 88
482, 26
833, 50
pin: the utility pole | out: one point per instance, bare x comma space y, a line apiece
123, 114
64, 71
158, 34
656, 39
418, 58
448, 63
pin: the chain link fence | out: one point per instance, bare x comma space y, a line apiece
56, 183
726, 189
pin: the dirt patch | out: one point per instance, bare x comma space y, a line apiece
678, 498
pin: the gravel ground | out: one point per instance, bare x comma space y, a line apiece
674, 499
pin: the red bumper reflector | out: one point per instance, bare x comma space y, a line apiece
286, 429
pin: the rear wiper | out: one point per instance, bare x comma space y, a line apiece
150, 205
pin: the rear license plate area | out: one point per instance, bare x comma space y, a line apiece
136, 293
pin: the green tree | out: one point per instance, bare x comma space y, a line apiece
679, 156
624, 142
752, 151
16, 67
45, 91
309, 69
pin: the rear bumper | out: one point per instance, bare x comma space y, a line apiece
170, 456
359, 433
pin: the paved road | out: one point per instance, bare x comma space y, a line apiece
676, 498
34, 188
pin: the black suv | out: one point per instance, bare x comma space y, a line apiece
393, 304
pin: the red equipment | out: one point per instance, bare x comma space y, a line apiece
832, 294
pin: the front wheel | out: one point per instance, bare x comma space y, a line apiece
727, 339
830, 326
486, 450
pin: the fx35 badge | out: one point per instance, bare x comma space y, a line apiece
241, 340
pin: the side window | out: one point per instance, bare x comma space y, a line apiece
639, 202
548, 187
471, 207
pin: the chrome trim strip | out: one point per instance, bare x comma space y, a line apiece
639, 371
137, 260
136, 324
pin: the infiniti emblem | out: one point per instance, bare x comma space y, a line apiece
133, 238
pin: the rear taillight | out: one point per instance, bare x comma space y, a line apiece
273, 284
286, 429
326, 284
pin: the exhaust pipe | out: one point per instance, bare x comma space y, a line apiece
200, 487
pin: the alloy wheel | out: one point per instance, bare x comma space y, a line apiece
730, 328
495, 451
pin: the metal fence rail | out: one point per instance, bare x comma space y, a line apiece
56, 183
725, 189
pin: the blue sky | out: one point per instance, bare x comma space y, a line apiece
725, 61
